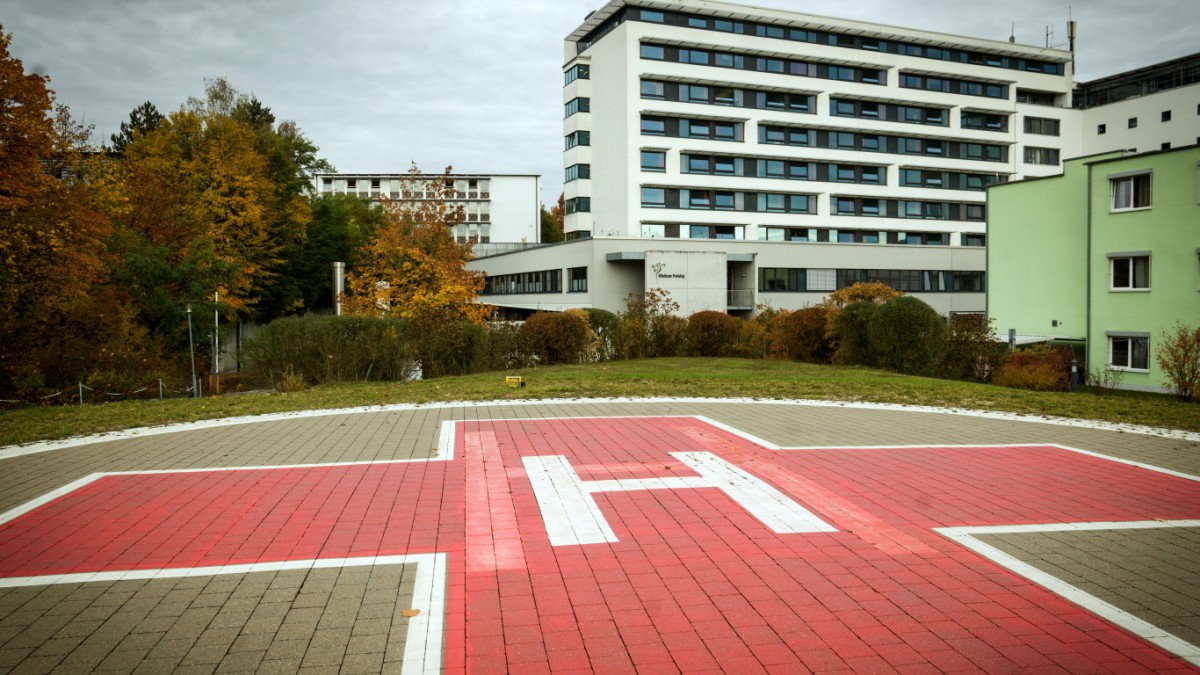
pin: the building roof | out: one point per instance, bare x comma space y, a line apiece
818, 22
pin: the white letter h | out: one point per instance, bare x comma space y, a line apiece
572, 516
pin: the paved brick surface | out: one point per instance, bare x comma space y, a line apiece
692, 581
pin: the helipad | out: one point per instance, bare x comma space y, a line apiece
605, 536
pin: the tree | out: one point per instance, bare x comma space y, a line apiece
51, 235
142, 120
413, 268
559, 212
551, 228
1179, 358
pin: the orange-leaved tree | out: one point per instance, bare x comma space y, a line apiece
412, 267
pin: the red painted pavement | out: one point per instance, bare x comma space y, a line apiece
694, 583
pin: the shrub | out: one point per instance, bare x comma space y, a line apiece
1041, 368
648, 328
1179, 359
557, 337
851, 325
971, 353
450, 348
874, 292
605, 328
907, 336
758, 338
712, 333
803, 335
323, 349
505, 348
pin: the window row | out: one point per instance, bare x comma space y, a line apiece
983, 121
809, 280
683, 231
728, 96
471, 233
727, 200
891, 112
949, 180
824, 235
1041, 155
907, 208
886, 143
750, 167
860, 42
1042, 125
545, 281
951, 85
676, 127
763, 64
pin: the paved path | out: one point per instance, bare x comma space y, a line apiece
602, 536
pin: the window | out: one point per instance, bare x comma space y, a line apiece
578, 205
1166, 116
1101, 129
1132, 122
768, 65
652, 89
727, 60
652, 16
576, 171
577, 279
697, 22
654, 126
1129, 352
693, 93
654, 52
577, 105
580, 71
1041, 125
1041, 155
1130, 272
1130, 192
729, 26
780, 279
973, 240
578, 138
654, 160
351, 183
654, 198
693, 56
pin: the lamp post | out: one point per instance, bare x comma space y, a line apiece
192, 352
216, 371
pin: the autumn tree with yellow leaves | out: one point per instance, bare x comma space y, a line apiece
413, 268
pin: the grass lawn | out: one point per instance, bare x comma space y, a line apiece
647, 377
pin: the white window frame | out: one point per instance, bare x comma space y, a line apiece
1132, 257
1130, 178
1131, 337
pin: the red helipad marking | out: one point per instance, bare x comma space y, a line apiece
693, 581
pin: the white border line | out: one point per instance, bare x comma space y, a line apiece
12, 451
965, 536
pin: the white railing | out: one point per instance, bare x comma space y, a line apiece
741, 298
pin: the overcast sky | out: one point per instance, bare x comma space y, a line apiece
473, 83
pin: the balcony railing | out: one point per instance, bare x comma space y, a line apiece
743, 298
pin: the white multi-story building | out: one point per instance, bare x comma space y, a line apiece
1151, 108
497, 208
741, 156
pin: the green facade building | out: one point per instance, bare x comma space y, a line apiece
1107, 253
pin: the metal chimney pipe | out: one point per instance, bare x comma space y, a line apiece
339, 286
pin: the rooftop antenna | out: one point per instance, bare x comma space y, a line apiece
1012, 33
1049, 35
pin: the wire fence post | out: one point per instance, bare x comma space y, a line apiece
80, 393
160, 389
